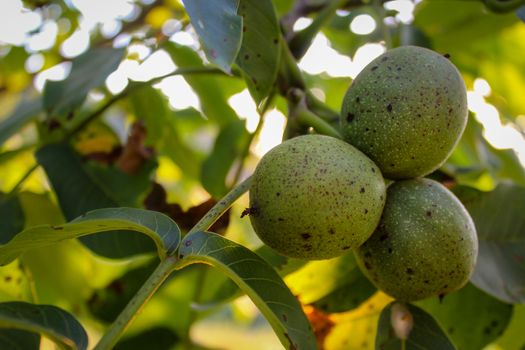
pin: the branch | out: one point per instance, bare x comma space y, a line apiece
135, 86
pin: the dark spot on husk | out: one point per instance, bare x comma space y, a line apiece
389, 107
350, 117
306, 235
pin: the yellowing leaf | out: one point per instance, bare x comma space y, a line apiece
96, 138
357, 329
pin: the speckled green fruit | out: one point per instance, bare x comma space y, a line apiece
406, 110
315, 197
425, 244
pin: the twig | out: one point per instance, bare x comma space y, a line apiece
135, 86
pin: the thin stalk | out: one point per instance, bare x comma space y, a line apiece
321, 109
133, 308
289, 75
307, 118
164, 269
220, 208
135, 86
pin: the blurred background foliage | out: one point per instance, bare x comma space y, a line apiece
139, 136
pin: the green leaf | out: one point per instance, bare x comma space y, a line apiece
80, 189
474, 157
27, 110
219, 28
514, 337
469, 22
127, 190
88, 71
209, 89
333, 285
282, 264
228, 146
228, 290
425, 334
54, 323
107, 303
500, 223
260, 50
163, 338
14, 339
471, 318
160, 228
260, 282
12, 217
150, 106
350, 295
342, 40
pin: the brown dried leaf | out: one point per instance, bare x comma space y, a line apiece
157, 200
134, 154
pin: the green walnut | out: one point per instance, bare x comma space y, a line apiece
425, 244
406, 110
315, 197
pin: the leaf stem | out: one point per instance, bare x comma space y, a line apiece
164, 269
133, 308
306, 117
220, 208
